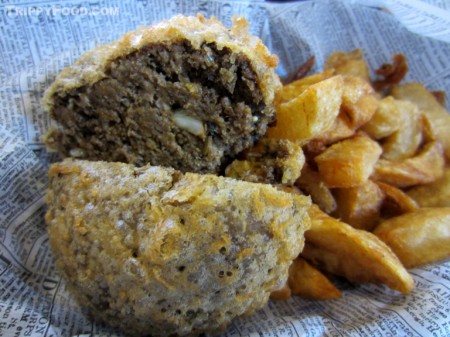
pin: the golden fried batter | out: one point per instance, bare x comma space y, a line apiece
156, 252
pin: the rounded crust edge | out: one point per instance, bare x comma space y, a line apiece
93, 65
272, 241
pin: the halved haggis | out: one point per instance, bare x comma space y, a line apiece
159, 253
186, 93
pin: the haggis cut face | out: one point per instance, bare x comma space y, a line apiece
166, 104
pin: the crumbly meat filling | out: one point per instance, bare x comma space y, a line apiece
166, 104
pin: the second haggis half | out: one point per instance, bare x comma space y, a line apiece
186, 93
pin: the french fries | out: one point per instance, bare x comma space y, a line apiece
341, 129
351, 63
358, 101
359, 206
292, 90
418, 237
281, 294
311, 183
424, 168
435, 194
308, 282
371, 160
311, 112
357, 255
348, 163
427, 103
386, 120
396, 201
405, 142
391, 73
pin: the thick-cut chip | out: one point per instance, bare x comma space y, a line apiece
281, 294
311, 183
391, 73
424, 168
359, 206
396, 201
292, 90
351, 63
385, 121
313, 148
359, 101
405, 142
308, 282
270, 161
300, 72
428, 134
355, 254
310, 113
435, 194
427, 103
440, 96
420, 237
341, 129
348, 163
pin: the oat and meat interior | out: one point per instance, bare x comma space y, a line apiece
176, 98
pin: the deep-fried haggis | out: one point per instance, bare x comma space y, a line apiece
154, 251
186, 93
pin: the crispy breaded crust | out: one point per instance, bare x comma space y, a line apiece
156, 252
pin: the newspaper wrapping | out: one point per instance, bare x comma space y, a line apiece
39, 40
